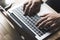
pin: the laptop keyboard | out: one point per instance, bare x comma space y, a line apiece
27, 21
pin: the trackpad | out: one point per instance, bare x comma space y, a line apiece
45, 9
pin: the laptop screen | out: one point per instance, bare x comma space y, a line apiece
55, 4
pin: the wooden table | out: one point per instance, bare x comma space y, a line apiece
7, 31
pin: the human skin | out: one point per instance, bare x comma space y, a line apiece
32, 7
49, 19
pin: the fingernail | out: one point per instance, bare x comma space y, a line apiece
36, 24
24, 14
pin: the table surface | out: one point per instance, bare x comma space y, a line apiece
7, 32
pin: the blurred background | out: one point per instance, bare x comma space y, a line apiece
7, 30
8, 2
5, 3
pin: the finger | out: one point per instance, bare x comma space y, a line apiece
27, 8
43, 23
41, 20
48, 24
24, 6
34, 9
50, 29
30, 12
53, 25
44, 15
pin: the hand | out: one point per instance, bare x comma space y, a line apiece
32, 7
51, 20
